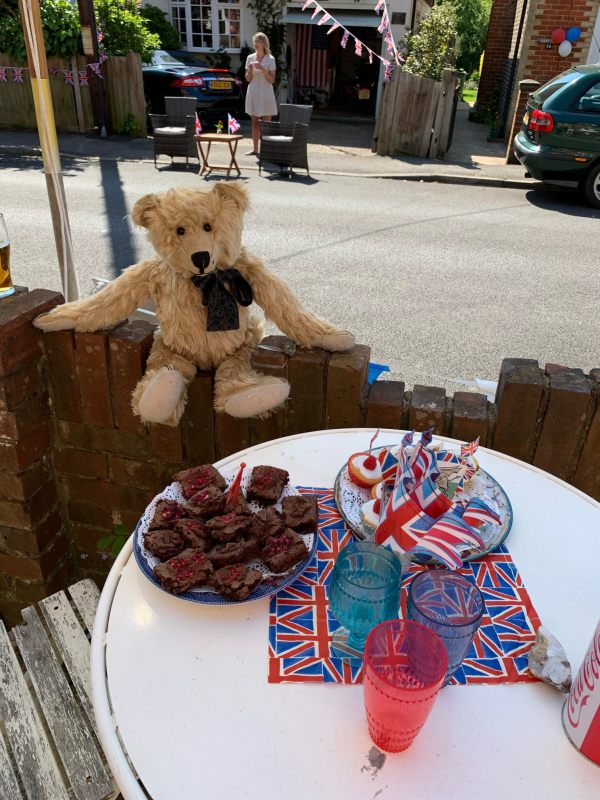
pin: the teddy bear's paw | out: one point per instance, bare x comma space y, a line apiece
54, 321
161, 395
257, 400
336, 342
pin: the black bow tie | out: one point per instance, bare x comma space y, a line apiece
222, 290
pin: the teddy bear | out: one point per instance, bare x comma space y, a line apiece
202, 281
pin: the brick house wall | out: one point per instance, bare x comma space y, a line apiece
532, 59
75, 462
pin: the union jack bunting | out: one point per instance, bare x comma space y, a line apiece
96, 70
357, 47
325, 18
344, 41
83, 78
384, 22
388, 72
469, 449
379, 6
68, 76
18, 74
3, 74
333, 28
301, 627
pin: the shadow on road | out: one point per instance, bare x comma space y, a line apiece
70, 166
117, 218
564, 201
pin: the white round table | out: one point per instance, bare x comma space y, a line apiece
180, 690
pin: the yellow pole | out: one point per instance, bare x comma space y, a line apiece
44, 113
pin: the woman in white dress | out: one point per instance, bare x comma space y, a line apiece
260, 97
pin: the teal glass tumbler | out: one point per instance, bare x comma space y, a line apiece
364, 591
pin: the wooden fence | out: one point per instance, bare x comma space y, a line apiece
73, 110
416, 115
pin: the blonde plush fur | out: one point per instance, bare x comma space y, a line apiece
213, 222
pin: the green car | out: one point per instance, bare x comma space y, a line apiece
559, 141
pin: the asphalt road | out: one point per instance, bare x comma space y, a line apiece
442, 281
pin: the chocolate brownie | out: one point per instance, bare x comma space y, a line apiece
207, 502
164, 544
300, 513
267, 484
283, 551
185, 571
228, 527
166, 514
197, 478
193, 532
236, 581
233, 552
268, 522
240, 507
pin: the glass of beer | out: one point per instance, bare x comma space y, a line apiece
6, 285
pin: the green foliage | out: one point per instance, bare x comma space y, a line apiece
125, 29
431, 48
130, 126
60, 23
219, 58
268, 18
115, 541
157, 22
472, 19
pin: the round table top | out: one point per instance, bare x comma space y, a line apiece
218, 137
185, 685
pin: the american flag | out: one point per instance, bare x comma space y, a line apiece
312, 45
233, 125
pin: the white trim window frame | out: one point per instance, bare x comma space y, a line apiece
194, 19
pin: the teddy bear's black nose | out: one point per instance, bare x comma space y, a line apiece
201, 259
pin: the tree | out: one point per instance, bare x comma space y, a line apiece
157, 22
60, 24
431, 48
472, 19
124, 29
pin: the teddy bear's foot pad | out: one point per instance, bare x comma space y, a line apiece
257, 400
162, 394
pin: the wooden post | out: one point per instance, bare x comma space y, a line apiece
44, 113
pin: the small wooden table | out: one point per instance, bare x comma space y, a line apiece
231, 139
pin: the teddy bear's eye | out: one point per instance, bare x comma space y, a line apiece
180, 231
207, 227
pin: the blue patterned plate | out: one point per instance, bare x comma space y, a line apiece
270, 584
350, 499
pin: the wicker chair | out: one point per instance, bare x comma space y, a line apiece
284, 143
174, 130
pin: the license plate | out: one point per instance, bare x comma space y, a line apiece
526, 118
220, 85
364, 94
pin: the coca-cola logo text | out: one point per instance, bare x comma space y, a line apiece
587, 677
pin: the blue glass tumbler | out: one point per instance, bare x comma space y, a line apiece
364, 591
450, 605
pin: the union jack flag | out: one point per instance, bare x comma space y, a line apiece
18, 74
301, 626
3, 74
68, 76
469, 449
83, 78
477, 513
97, 70
198, 125
233, 125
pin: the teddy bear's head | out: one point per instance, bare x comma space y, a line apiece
195, 230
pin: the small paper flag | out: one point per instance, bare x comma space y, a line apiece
233, 125
325, 18
68, 76
3, 74
18, 74
334, 27
96, 70
83, 78
344, 41
357, 47
198, 125
306, 4
317, 10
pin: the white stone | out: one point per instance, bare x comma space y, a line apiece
548, 660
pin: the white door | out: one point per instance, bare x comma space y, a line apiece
594, 54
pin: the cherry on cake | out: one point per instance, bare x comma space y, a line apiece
364, 470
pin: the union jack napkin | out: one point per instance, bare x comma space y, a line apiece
301, 627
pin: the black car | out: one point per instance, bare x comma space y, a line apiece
218, 92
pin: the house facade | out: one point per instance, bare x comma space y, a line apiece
519, 47
319, 69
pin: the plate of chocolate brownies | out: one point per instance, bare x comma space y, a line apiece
229, 536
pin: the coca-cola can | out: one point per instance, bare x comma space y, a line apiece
581, 711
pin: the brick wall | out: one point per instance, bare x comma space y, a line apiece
75, 462
497, 49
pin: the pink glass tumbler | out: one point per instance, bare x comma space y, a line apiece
404, 668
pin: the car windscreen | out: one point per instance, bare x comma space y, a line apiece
165, 58
548, 89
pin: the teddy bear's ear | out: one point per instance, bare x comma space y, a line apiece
142, 210
235, 191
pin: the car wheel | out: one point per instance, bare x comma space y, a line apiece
591, 187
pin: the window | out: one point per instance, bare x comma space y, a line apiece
590, 100
548, 89
207, 24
